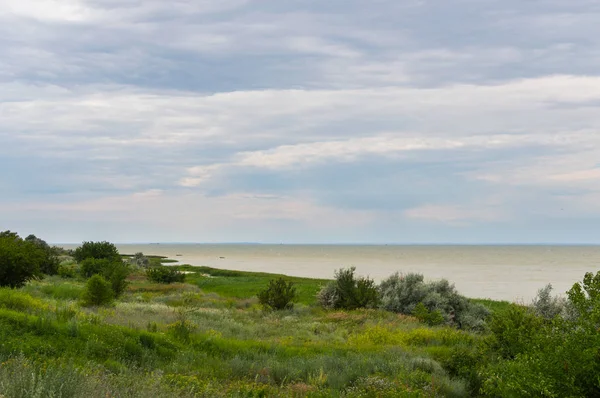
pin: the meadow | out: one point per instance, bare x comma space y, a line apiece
208, 336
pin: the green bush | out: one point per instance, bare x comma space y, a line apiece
163, 274
514, 331
67, 271
97, 292
279, 295
584, 297
548, 357
97, 250
116, 273
348, 292
20, 261
432, 318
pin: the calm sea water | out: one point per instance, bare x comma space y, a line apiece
512, 273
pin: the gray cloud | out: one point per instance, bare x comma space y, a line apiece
472, 116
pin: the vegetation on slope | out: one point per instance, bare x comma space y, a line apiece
209, 336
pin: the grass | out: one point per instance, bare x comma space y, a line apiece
208, 337
241, 284
494, 305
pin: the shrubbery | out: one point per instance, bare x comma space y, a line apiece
279, 295
67, 270
547, 306
432, 318
97, 250
114, 271
549, 349
163, 274
404, 293
116, 274
348, 292
139, 260
97, 291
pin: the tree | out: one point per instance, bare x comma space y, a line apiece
584, 297
97, 250
49, 265
20, 260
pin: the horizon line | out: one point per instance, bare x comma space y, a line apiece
353, 243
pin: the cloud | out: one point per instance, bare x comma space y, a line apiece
476, 117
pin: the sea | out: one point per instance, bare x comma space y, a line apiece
512, 273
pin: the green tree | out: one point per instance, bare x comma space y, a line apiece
92, 266
97, 250
585, 299
20, 261
49, 265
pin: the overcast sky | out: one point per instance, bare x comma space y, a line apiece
323, 121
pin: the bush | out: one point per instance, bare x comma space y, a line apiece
279, 295
584, 298
97, 292
514, 330
139, 260
163, 274
348, 292
116, 273
545, 358
403, 293
547, 306
328, 295
97, 250
67, 271
20, 261
545, 354
432, 318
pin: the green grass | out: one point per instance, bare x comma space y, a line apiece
243, 285
209, 337
494, 305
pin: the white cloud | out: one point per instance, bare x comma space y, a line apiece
398, 105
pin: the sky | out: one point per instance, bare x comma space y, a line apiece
301, 121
